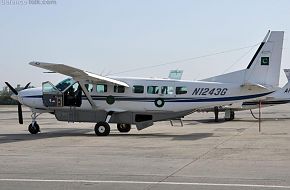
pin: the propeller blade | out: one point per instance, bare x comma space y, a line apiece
27, 86
11, 88
20, 116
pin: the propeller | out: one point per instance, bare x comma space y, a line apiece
20, 115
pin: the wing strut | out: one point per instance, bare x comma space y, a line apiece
88, 95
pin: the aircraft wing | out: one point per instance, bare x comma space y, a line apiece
75, 73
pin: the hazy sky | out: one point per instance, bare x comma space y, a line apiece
111, 36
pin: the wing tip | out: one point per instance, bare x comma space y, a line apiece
34, 63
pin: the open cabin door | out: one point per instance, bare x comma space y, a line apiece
73, 96
51, 96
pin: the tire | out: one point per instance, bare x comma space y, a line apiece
33, 128
124, 128
102, 129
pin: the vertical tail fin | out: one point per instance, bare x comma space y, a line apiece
264, 68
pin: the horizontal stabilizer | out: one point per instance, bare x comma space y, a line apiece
254, 86
236, 105
75, 73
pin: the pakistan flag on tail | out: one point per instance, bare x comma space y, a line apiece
264, 60
267, 60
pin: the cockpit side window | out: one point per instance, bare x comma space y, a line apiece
61, 86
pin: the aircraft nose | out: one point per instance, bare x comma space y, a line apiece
31, 97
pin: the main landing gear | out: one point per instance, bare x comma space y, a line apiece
102, 128
33, 128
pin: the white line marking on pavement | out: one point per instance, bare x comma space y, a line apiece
147, 182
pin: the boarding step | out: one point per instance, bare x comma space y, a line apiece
176, 122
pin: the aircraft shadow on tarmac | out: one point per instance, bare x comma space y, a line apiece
191, 136
10, 138
213, 122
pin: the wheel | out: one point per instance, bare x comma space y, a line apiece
124, 128
102, 129
33, 128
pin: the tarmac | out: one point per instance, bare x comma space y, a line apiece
201, 154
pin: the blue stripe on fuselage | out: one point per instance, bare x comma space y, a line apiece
152, 99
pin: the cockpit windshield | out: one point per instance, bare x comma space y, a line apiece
61, 86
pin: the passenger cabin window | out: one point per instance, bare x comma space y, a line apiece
119, 89
89, 87
181, 90
101, 88
138, 89
166, 90
153, 89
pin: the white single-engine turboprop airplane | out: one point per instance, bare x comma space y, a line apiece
87, 97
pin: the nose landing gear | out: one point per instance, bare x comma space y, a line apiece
33, 128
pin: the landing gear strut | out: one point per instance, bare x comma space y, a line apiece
102, 128
124, 128
33, 128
